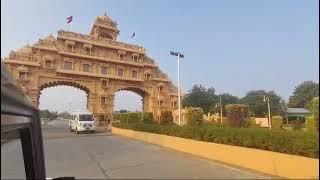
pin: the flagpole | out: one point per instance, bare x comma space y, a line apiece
71, 25
221, 115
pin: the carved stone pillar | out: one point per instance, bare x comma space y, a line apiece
105, 106
146, 104
91, 102
34, 95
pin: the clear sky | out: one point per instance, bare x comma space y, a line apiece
232, 45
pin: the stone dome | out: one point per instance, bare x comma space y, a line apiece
104, 19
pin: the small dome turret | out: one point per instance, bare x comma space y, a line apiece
105, 27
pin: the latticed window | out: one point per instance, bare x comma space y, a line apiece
67, 65
121, 56
104, 70
104, 83
134, 74
87, 50
23, 75
174, 104
70, 48
48, 63
160, 88
147, 76
103, 100
86, 67
120, 72
160, 103
135, 59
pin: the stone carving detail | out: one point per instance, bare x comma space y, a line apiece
68, 69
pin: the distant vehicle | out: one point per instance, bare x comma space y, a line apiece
82, 121
20, 120
59, 118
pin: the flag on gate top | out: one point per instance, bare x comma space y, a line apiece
69, 19
134, 34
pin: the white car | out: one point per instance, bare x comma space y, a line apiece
82, 122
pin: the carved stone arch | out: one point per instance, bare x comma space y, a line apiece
140, 91
143, 93
64, 83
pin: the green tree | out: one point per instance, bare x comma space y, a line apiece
166, 117
48, 114
44, 113
199, 96
303, 94
64, 115
194, 116
226, 99
259, 108
237, 115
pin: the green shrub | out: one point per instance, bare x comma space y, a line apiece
252, 122
237, 115
290, 142
166, 117
224, 120
130, 117
276, 122
194, 116
311, 124
315, 111
296, 124
148, 118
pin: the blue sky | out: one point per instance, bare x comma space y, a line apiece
234, 46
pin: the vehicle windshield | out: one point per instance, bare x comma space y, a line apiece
86, 117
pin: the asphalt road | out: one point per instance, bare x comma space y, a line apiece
106, 156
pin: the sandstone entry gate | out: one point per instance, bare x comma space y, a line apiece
98, 64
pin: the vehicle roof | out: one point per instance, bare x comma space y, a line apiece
80, 112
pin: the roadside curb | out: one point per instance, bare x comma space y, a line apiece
273, 163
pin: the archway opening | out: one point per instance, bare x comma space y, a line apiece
127, 101
56, 102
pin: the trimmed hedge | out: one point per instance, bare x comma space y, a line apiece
311, 124
194, 116
166, 117
252, 122
237, 115
276, 122
148, 118
133, 117
315, 111
290, 142
297, 124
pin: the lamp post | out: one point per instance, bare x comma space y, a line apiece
266, 98
221, 110
179, 55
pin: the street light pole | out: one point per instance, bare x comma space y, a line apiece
269, 114
179, 100
179, 55
266, 98
221, 116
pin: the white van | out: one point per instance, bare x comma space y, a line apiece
82, 121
